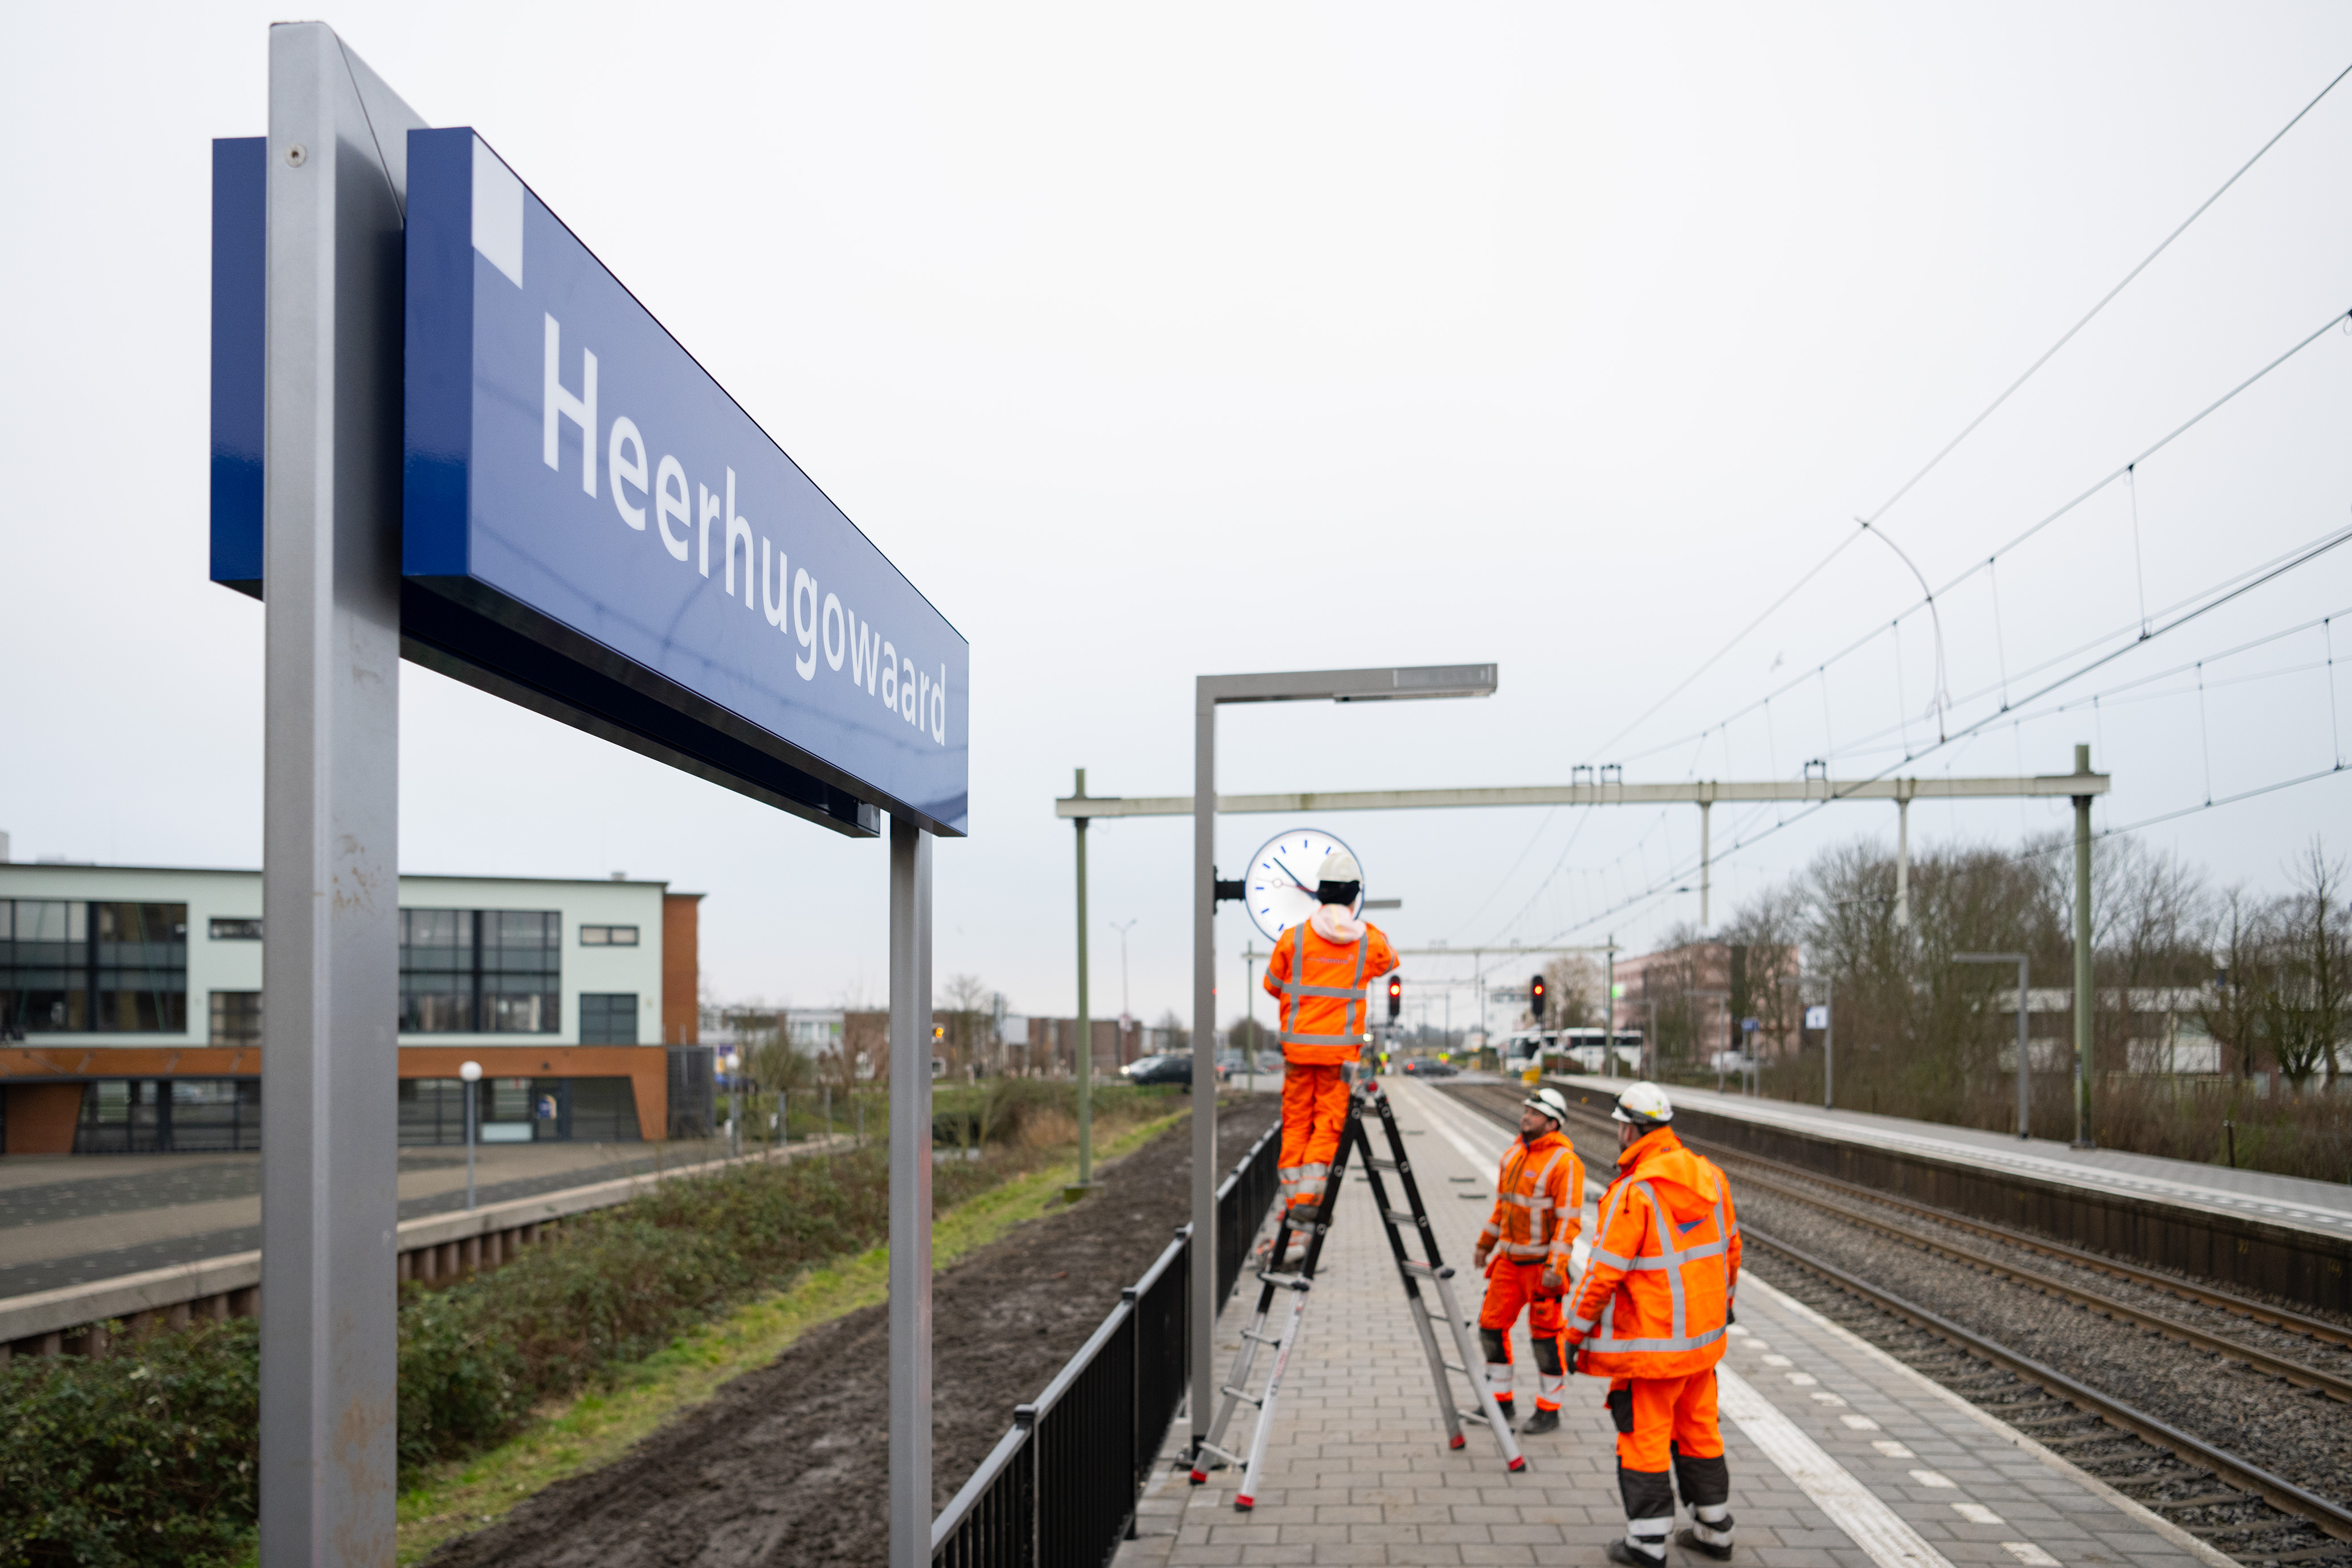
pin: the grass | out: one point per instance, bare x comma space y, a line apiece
568, 1437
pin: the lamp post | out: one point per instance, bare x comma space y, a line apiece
1211, 693
1126, 1013
469, 1075
734, 1101
2023, 1081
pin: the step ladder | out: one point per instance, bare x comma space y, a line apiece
1294, 1287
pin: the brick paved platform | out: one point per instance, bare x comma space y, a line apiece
1839, 1454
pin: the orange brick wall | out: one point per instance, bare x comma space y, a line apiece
681, 969
41, 1117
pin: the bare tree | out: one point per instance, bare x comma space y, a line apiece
2233, 1011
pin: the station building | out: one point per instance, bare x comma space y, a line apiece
131, 1008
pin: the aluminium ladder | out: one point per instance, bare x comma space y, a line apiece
1298, 1284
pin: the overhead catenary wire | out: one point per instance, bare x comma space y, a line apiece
1881, 629
2244, 584
1971, 426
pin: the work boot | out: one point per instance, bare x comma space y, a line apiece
1542, 1421
1620, 1553
1690, 1540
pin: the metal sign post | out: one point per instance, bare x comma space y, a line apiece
442, 430
331, 802
911, 1194
1212, 691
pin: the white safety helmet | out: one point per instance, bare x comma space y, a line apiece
1645, 1106
1340, 867
1550, 1103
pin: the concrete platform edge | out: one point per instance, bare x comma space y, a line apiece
2137, 1511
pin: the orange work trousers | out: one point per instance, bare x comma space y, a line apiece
1676, 1410
1314, 1110
1513, 1287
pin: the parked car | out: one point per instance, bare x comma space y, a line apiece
1166, 1069
1432, 1068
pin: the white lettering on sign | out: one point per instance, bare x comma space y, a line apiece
787, 596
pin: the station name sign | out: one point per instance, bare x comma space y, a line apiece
591, 526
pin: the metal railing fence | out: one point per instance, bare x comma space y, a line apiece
1059, 1489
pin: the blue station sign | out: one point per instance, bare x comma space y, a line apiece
592, 527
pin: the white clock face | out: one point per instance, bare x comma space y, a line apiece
1280, 881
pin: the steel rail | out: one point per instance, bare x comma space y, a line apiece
2204, 1295
2297, 1372
2301, 1373
2278, 1492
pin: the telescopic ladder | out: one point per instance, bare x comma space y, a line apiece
1275, 1283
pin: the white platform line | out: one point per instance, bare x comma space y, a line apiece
1851, 1506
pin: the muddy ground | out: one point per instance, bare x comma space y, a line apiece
790, 1464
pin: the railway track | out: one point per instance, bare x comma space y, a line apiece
2258, 1517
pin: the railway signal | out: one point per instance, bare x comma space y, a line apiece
1536, 998
1396, 996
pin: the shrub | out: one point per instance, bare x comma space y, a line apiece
146, 1457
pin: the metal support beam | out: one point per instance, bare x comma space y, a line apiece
331, 803
910, 1195
1903, 862
2043, 787
1211, 692
1082, 1054
1705, 855
1201, 1325
2085, 999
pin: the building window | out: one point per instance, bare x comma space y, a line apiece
485, 972
608, 936
169, 1116
119, 967
608, 1018
237, 1018
235, 928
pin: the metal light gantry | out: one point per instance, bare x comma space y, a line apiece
1212, 692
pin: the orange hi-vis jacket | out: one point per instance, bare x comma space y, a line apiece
1656, 1296
1539, 1203
1322, 986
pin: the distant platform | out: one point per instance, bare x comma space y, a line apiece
1838, 1454
2325, 1206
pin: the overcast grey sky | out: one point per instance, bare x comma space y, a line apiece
1151, 343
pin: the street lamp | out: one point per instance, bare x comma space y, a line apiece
2023, 1082
469, 1074
1125, 1014
1211, 692
734, 1060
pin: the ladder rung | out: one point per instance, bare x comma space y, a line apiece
1262, 1338
1451, 1367
1213, 1451
1379, 1164
1401, 1217
1243, 1394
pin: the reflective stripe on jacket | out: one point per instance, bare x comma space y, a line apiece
1322, 986
1539, 1203
1656, 1296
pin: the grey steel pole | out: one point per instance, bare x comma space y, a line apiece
471, 1095
2084, 999
1609, 1009
1200, 1330
1829, 1041
2024, 1064
1083, 1052
910, 1195
331, 802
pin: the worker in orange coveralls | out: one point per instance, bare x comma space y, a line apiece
1539, 1209
1321, 974
1649, 1314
